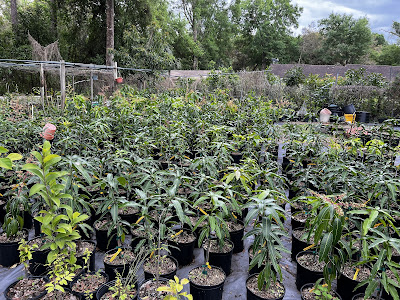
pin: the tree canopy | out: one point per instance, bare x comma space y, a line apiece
189, 34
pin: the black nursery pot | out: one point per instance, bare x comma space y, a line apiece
105, 242
362, 116
252, 296
296, 223
33, 298
105, 287
9, 254
183, 252
237, 239
345, 287
86, 296
312, 285
170, 275
222, 260
37, 227
92, 257
200, 292
237, 157
111, 270
304, 275
37, 265
297, 245
349, 109
361, 295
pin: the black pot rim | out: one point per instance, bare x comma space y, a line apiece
306, 252
242, 229
113, 251
256, 274
88, 241
227, 240
185, 230
176, 267
209, 287
71, 284
46, 279
14, 243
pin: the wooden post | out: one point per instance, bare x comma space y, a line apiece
62, 84
91, 82
115, 70
42, 84
73, 85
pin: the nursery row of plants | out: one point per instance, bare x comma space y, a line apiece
175, 172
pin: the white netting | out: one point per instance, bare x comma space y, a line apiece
41, 53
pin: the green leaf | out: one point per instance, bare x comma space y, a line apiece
337, 228
14, 156
3, 150
326, 246
36, 188
5, 163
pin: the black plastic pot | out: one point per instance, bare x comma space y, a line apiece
86, 296
2, 208
170, 275
237, 157
222, 260
362, 295
105, 242
304, 275
130, 218
345, 287
296, 223
213, 292
183, 252
33, 298
145, 281
362, 116
112, 270
9, 254
297, 245
92, 257
312, 285
252, 296
37, 227
28, 220
349, 109
37, 265
105, 287
237, 239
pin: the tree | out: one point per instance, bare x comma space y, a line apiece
264, 26
110, 33
389, 55
345, 40
311, 46
396, 29
14, 15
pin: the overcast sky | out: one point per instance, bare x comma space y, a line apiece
380, 13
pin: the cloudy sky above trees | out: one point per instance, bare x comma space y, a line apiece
380, 13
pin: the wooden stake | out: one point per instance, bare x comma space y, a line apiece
62, 84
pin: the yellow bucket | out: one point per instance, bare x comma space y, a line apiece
350, 118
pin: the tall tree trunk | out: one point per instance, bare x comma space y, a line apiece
195, 58
14, 15
54, 22
110, 32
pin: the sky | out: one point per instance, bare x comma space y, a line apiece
380, 13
